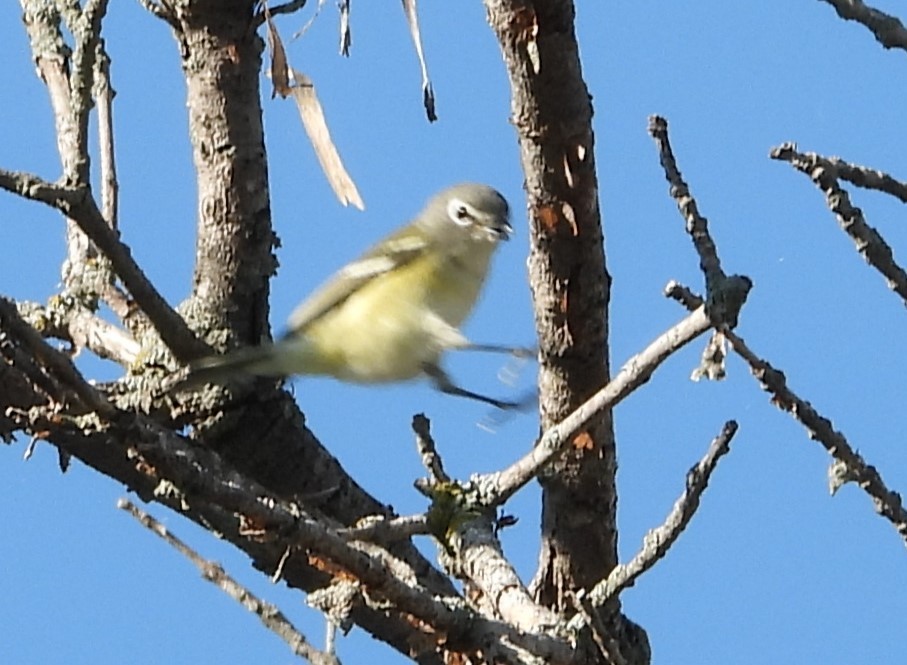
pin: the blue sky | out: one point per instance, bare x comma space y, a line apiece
771, 569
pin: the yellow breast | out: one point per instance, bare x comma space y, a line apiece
388, 329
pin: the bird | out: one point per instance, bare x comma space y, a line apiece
390, 315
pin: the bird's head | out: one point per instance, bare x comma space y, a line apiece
478, 210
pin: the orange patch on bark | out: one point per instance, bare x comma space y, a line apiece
583, 441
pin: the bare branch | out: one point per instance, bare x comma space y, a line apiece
71, 90
683, 294
480, 562
697, 225
658, 541
77, 204
888, 30
849, 465
56, 363
214, 484
431, 460
381, 530
501, 485
551, 112
868, 241
608, 647
462, 524
23, 374
711, 362
104, 95
887, 503
272, 618
52, 57
85, 26
68, 320
160, 465
867, 178
265, 11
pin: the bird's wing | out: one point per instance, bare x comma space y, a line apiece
396, 250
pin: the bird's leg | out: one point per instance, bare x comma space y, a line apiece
443, 383
516, 351
450, 338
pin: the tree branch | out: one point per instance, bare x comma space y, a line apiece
68, 320
57, 364
867, 178
658, 541
77, 204
869, 242
480, 562
104, 94
272, 618
162, 466
266, 517
697, 225
425, 444
52, 57
380, 530
472, 551
284, 8
849, 465
499, 486
85, 26
888, 30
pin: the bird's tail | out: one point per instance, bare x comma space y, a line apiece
246, 361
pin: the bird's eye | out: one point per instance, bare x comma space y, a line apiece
459, 212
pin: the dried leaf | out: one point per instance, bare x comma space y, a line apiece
288, 82
428, 95
315, 126
279, 71
346, 37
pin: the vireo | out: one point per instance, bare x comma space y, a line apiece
391, 314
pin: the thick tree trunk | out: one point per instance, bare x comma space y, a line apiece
552, 113
221, 57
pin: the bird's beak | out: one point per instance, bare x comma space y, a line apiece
502, 229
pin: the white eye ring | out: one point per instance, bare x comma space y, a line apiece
459, 212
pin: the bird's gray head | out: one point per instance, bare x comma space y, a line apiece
480, 209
